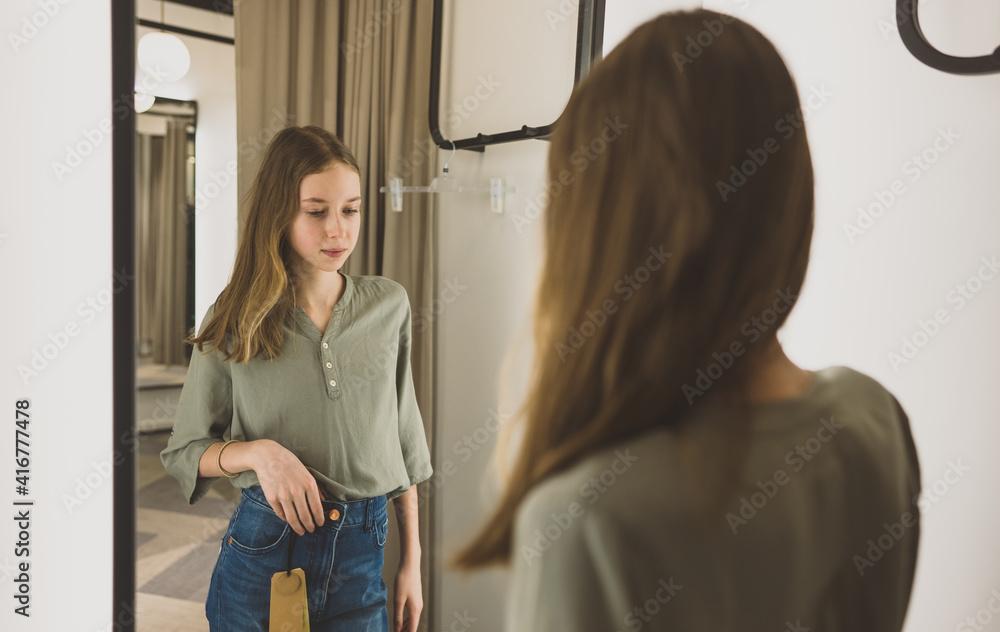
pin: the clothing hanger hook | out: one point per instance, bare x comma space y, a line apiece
451, 156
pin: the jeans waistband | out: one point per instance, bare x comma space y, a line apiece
364, 511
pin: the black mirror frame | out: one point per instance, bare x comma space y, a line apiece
589, 42
913, 38
123, 520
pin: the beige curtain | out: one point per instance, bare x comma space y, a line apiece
360, 68
147, 189
287, 61
170, 260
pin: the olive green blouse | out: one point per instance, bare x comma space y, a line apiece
341, 400
821, 533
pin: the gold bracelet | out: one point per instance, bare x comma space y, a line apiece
218, 460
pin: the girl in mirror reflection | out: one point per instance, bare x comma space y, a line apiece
676, 470
308, 369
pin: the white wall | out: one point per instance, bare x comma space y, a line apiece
211, 82
57, 287
859, 299
621, 16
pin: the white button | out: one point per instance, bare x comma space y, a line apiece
333, 382
326, 346
329, 365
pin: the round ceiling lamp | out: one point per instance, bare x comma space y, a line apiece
163, 56
143, 101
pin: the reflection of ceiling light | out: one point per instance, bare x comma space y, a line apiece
164, 56
143, 101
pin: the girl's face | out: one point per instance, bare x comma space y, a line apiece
325, 228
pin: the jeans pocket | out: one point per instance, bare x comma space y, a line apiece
381, 530
256, 529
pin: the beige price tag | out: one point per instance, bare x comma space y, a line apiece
289, 604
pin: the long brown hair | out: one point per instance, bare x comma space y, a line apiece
249, 313
642, 171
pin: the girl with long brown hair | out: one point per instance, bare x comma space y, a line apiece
309, 371
676, 470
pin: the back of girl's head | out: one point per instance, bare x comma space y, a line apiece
689, 207
249, 312
658, 257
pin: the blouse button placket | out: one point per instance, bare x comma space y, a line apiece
332, 389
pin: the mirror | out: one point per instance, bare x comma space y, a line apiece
182, 145
164, 238
177, 544
166, 562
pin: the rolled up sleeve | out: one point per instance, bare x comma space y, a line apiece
204, 412
412, 436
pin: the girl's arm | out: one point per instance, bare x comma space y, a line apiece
288, 486
408, 595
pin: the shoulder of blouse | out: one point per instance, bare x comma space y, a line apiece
378, 285
381, 293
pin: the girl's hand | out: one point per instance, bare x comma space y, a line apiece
288, 486
408, 598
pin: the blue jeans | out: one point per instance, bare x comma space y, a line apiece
342, 561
